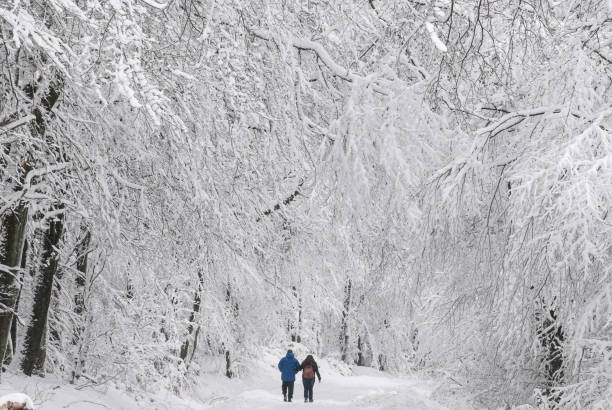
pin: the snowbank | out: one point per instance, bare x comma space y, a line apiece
51, 393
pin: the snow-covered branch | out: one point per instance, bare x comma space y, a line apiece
17, 195
125, 182
428, 214
285, 201
322, 53
16, 123
155, 4
494, 126
43, 171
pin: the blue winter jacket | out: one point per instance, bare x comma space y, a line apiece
288, 367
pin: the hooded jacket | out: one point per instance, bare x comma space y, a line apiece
288, 367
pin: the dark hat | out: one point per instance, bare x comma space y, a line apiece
289, 351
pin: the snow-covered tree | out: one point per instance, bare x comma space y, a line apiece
402, 184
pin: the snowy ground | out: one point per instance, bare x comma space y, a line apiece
51, 394
365, 388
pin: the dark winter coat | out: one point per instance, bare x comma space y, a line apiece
309, 360
288, 367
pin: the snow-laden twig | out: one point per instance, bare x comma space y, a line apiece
518, 114
28, 182
154, 4
16, 123
325, 57
9, 270
484, 134
125, 182
43, 171
434, 37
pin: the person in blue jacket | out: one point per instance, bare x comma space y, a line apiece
288, 367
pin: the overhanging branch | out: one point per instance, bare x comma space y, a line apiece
324, 56
285, 202
7, 126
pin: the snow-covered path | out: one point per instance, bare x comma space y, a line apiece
367, 391
364, 388
357, 388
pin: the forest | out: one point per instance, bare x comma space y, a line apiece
407, 185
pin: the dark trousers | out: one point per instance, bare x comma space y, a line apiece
308, 385
288, 386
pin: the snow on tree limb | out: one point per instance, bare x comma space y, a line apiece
325, 57
290, 198
125, 182
26, 32
43, 171
17, 123
522, 114
11, 200
184, 130
484, 134
155, 4
434, 37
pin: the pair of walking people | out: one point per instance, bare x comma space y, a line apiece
289, 366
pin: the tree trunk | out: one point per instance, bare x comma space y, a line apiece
382, 362
81, 266
35, 339
82, 250
228, 365
298, 330
294, 329
233, 307
551, 336
14, 228
359, 351
52, 320
24, 259
344, 336
197, 300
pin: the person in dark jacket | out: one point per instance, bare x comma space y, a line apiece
288, 367
309, 368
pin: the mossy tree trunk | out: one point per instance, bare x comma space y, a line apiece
24, 260
34, 353
13, 229
11, 248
